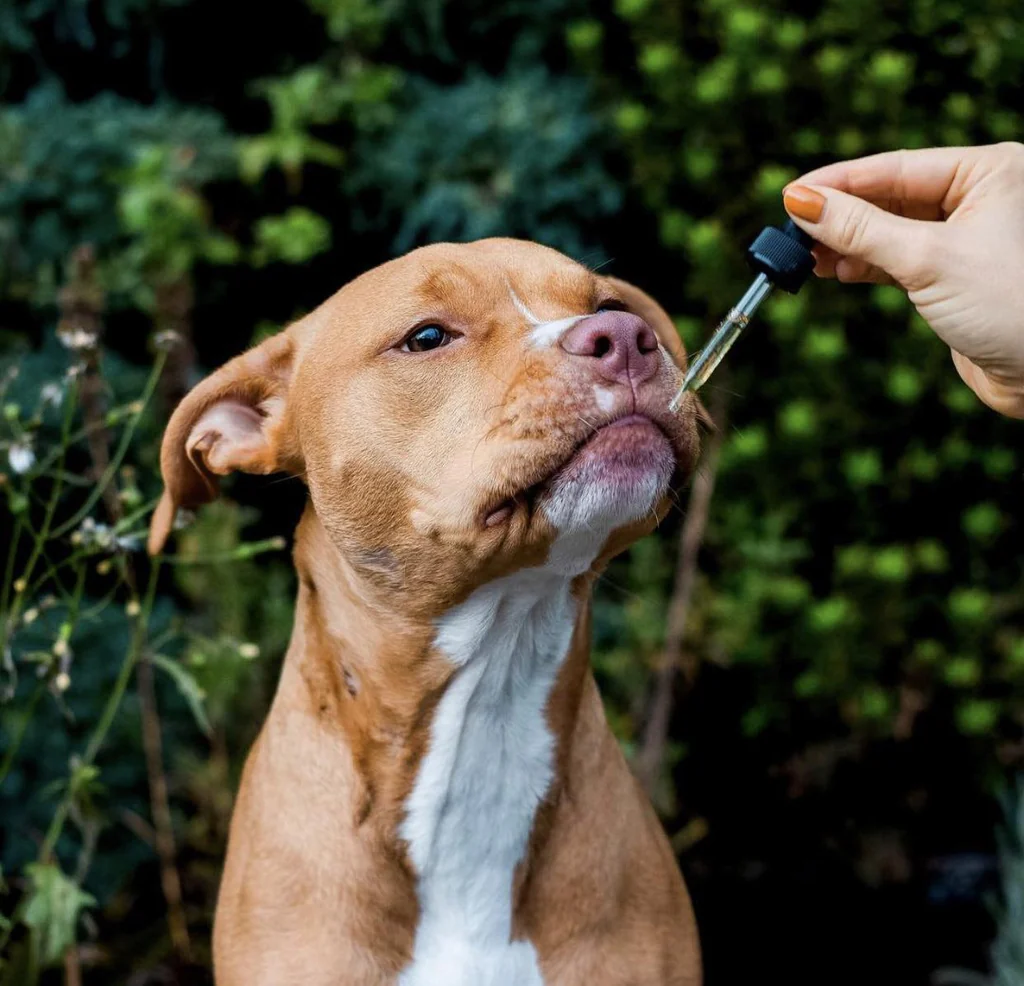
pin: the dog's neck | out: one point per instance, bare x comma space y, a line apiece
459, 731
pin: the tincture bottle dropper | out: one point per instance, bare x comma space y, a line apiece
782, 258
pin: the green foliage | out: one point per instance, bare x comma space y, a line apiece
519, 157
52, 911
872, 428
77, 173
295, 237
862, 542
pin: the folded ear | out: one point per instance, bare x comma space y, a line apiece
237, 418
656, 317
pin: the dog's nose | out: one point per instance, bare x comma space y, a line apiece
624, 345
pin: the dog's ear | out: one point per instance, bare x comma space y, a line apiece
235, 419
656, 317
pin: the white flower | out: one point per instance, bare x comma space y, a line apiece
21, 456
249, 651
166, 340
89, 533
75, 338
51, 393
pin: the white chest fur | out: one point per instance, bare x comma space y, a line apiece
489, 764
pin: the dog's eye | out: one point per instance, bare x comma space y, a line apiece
611, 305
426, 338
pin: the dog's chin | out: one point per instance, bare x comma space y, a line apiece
617, 478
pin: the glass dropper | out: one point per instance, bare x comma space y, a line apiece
782, 258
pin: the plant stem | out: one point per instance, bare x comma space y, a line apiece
12, 750
42, 536
113, 703
118, 458
650, 758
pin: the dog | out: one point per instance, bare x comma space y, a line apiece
436, 798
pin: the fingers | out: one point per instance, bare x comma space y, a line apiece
938, 177
833, 265
850, 270
998, 396
862, 235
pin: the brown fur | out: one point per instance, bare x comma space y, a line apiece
404, 456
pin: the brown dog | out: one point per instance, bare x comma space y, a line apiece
436, 798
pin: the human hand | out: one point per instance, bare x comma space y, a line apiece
947, 226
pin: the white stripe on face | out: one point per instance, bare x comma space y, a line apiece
544, 333
548, 333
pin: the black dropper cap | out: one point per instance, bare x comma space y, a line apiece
783, 255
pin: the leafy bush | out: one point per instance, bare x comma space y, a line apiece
846, 685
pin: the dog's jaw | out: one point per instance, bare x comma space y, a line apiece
491, 756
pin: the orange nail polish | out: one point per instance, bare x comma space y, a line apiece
804, 203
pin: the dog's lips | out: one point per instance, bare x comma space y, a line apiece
620, 446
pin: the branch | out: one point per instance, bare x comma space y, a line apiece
81, 303
671, 660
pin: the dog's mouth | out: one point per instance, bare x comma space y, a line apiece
616, 450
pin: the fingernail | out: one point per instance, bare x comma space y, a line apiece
803, 202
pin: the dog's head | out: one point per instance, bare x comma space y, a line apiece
457, 414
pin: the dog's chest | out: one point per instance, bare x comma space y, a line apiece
489, 763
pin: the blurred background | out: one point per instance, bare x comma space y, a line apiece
816, 664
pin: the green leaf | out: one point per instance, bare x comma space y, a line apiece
889, 299
983, 521
855, 559
717, 81
892, 564
977, 717
700, 163
799, 419
750, 443
863, 467
928, 651
823, 345
875, 703
292, 238
584, 35
188, 687
931, 556
904, 384
632, 118
969, 605
891, 70
808, 684
53, 906
829, 614
631, 9
659, 58
962, 672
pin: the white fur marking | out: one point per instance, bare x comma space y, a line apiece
520, 306
544, 333
548, 333
489, 765
490, 761
604, 398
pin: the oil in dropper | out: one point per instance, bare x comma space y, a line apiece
782, 258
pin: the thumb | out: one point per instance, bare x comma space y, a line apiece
856, 228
